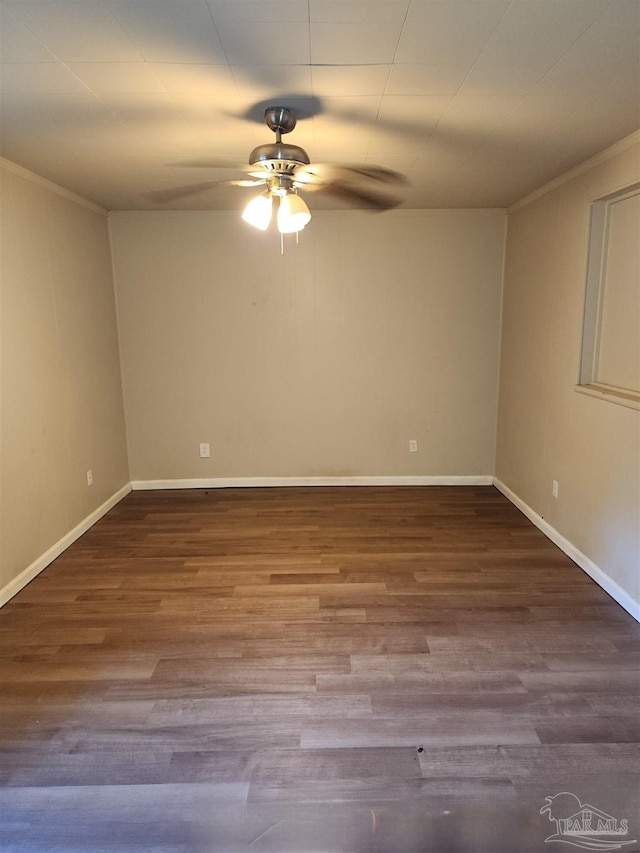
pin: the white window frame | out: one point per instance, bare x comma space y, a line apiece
594, 300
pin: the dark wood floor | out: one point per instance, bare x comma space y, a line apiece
353, 669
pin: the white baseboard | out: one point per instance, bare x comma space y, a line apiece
257, 482
50, 555
595, 572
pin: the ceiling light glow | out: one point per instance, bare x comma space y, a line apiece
293, 214
258, 211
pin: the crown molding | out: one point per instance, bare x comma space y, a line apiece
601, 157
10, 166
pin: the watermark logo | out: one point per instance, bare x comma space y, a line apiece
583, 825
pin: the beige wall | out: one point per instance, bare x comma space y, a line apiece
547, 430
323, 362
60, 393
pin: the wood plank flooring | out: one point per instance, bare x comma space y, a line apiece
335, 669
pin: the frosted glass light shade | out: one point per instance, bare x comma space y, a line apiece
258, 211
293, 214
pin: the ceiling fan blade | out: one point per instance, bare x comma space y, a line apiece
248, 183
163, 196
377, 173
307, 181
211, 163
327, 172
359, 196
363, 185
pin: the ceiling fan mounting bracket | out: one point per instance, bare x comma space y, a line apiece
280, 120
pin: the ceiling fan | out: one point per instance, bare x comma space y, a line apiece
285, 170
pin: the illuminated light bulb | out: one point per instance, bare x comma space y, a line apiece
258, 211
293, 214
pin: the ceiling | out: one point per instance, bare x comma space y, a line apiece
477, 102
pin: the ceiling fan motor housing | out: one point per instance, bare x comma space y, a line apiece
279, 157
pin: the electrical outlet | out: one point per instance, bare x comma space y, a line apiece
413, 445
555, 488
205, 450
89, 477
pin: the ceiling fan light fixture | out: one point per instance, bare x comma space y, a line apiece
258, 211
293, 214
